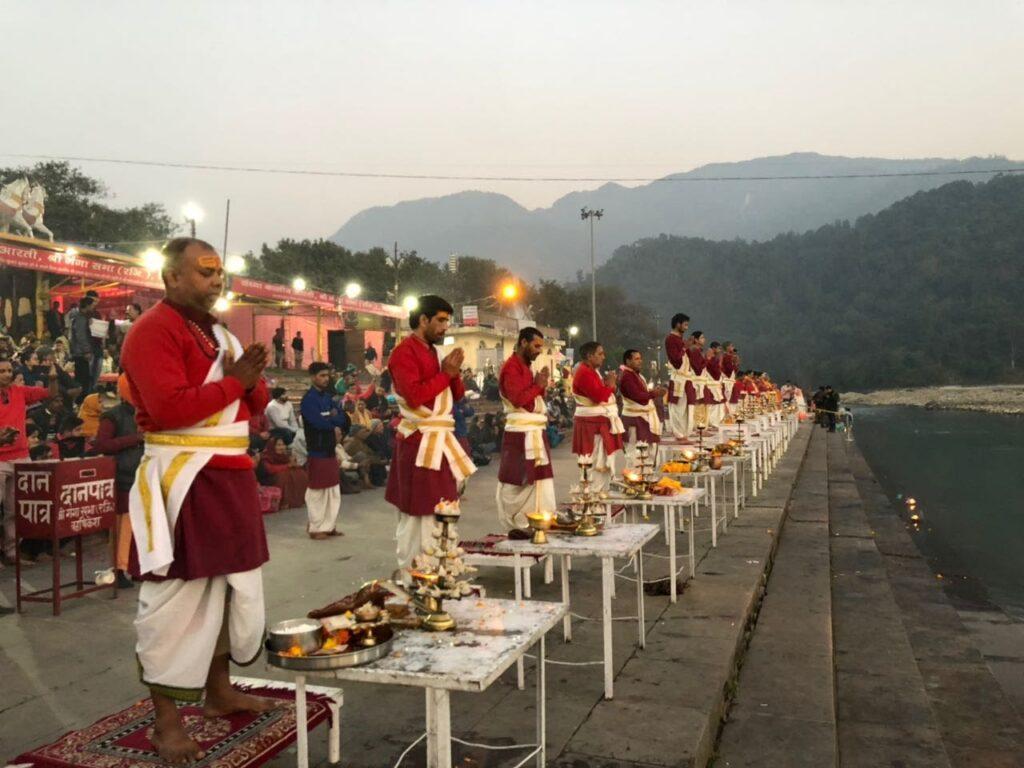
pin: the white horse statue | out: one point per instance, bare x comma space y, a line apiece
12, 200
32, 210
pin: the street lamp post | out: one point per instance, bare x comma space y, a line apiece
588, 213
192, 213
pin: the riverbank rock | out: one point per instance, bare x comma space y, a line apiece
996, 398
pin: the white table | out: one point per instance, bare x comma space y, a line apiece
490, 636
616, 541
672, 508
743, 463
335, 700
757, 447
710, 478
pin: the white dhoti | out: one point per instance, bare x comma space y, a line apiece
322, 507
679, 418
413, 534
604, 468
515, 501
182, 625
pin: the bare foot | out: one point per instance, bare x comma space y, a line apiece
221, 704
319, 536
174, 745
335, 533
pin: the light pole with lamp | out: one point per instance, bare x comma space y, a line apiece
193, 214
588, 213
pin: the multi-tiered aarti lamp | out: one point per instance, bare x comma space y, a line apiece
585, 500
637, 482
439, 572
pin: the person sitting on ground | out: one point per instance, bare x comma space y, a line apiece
462, 412
486, 441
71, 439
377, 400
490, 389
48, 418
379, 441
93, 405
29, 368
259, 431
283, 471
364, 456
32, 435
349, 471
281, 416
360, 415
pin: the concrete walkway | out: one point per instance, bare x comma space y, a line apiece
898, 682
784, 710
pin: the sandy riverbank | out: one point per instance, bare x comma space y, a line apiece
1008, 398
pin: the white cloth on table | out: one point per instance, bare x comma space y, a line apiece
515, 501
322, 507
181, 624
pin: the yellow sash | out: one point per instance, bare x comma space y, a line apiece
437, 426
532, 425
587, 407
648, 412
170, 464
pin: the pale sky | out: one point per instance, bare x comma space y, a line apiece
546, 88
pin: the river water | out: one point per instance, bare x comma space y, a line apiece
966, 471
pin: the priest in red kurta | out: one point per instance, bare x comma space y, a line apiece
198, 533
597, 429
695, 407
714, 397
730, 367
428, 462
525, 477
678, 368
639, 403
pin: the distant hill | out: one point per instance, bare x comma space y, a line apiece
924, 292
552, 242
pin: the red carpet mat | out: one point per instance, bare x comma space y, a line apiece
239, 741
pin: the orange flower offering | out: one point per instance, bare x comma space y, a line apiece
675, 467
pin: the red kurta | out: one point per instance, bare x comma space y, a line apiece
587, 383
417, 377
675, 349
714, 369
696, 355
738, 388
633, 387
730, 364
516, 385
167, 355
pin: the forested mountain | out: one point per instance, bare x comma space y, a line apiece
553, 242
927, 291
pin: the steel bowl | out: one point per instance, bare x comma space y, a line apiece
295, 632
326, 662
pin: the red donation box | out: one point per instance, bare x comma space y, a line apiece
58, 500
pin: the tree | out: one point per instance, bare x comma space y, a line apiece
924, 292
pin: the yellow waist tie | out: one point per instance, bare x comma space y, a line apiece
196, 441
